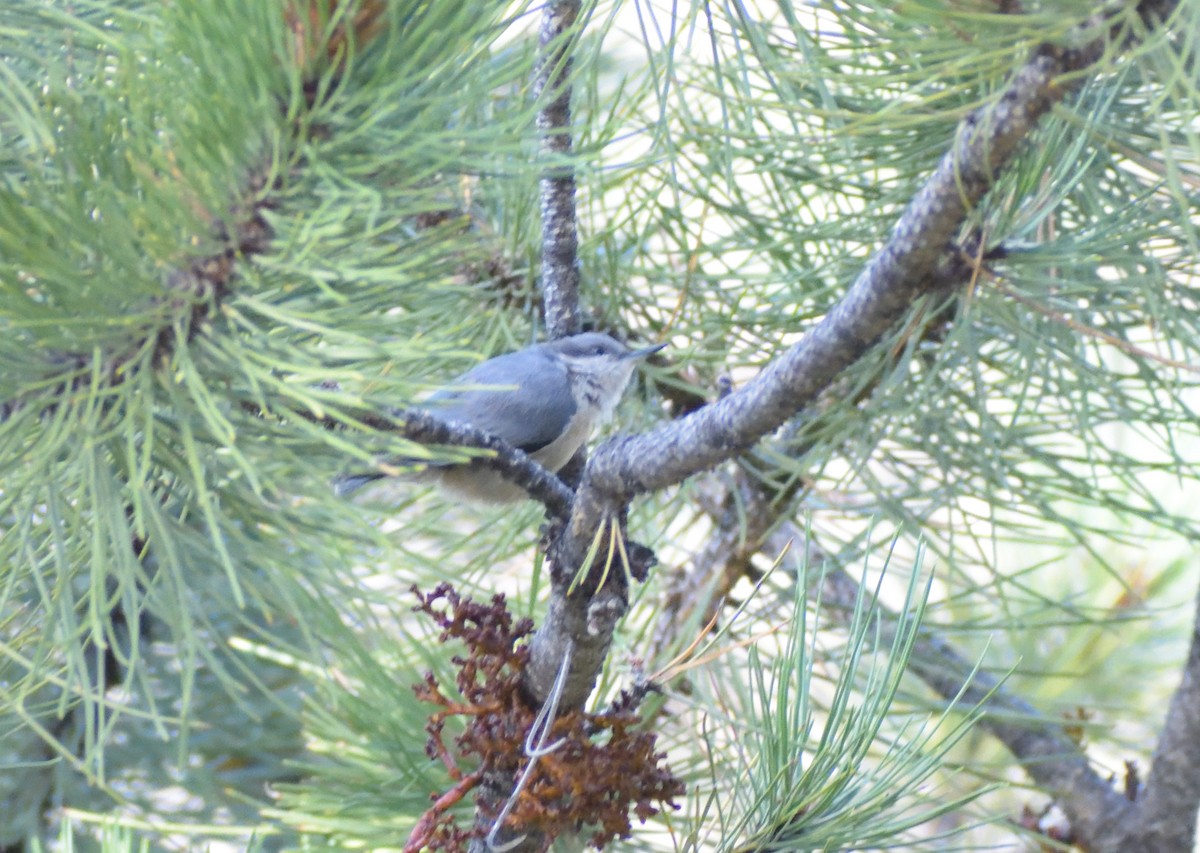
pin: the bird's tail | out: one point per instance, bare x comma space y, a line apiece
344, 484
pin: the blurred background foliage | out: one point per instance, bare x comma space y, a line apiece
230, 231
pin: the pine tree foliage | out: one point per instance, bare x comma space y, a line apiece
234, 236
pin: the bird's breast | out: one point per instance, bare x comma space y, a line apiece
558, 452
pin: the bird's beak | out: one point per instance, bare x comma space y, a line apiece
644, 352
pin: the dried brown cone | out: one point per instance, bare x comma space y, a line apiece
602, 772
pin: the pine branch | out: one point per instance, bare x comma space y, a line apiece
515, 465
1166, 810
560, 239
196, 291
1102, 818
560, 302
918, 259
1041, 744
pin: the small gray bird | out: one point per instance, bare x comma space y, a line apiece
544, 400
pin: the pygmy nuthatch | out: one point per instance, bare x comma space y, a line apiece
544, 400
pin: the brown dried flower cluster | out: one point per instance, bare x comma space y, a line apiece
603, 770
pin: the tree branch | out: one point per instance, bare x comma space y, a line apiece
918, 255
918, 258
513, 464
560, 240
560, 302
1167, 809
1102, 818
1096, 810
743, 514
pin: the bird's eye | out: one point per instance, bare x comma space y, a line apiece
598, 351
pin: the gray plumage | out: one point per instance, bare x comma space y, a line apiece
545, 400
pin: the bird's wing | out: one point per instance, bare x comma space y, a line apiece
529, 417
